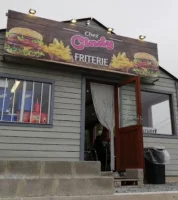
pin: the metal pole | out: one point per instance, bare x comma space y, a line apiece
41, 101
13, 102
5, 86
32, 101
49, 103
23, 100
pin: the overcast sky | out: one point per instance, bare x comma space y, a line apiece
157, 19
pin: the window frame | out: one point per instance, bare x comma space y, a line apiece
35, 79
172, 114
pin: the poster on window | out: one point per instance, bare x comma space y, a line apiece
51, 41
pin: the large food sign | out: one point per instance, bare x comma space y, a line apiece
42, 39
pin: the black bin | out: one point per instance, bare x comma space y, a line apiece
155, 160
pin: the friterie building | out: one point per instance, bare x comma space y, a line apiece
63, 83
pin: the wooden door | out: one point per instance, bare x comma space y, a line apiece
129, 136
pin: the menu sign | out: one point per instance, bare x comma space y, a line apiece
43, 39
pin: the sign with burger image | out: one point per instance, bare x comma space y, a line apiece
143, 64
29, 43
24, 42
87, 47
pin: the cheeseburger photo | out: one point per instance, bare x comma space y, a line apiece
24, 42
145, 60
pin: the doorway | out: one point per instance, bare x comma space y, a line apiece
127, 138
99, 123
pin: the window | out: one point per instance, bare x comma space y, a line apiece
156, 113
25, 101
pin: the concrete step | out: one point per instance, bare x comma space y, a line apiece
138, 196
122, 180
49, 169
113, 174
42, 187
134, 173
118, 182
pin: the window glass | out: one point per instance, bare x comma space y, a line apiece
156, 113
24, 101
16, 98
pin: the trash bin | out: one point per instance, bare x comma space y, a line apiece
155, 160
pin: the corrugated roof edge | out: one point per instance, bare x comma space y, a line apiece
83, 19
171, 75
89, 18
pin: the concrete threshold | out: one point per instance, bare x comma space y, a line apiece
145, 193
161, 195
126, 196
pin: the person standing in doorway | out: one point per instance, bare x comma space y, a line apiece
102, 147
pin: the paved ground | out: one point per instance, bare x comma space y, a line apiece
148, 188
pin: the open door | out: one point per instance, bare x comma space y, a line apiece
129, 136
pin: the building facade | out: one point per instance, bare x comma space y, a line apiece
64, 90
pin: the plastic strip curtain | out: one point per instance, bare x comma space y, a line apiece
103, 100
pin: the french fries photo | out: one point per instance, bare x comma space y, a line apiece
57, 51
121, 62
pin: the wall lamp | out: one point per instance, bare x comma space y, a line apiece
74, 21
110, 30
32, 11
142, 37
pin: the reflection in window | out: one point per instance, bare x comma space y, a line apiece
24, 101
156, 113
